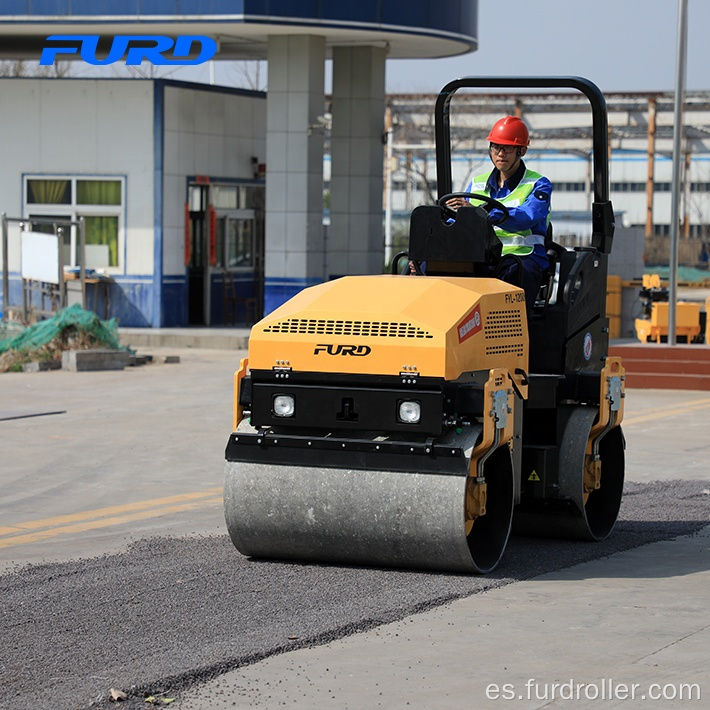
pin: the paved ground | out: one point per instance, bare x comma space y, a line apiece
120, 494
624, 631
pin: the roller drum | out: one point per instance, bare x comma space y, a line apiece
573, 516
367, 517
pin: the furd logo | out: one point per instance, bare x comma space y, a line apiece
156, 49
332, 349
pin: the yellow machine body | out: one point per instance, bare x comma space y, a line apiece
656, 327
392, 420
386, 325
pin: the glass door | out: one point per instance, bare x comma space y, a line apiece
237, 263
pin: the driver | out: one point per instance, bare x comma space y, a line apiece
526, 194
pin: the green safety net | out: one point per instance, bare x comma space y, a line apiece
70, 327
686, 274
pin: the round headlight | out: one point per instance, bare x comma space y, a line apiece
284, 405
410, 412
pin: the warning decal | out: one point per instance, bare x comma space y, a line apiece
533, 476
470, 325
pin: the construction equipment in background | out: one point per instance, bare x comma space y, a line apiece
413, 421
653, 326
614, 287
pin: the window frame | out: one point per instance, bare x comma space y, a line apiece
245, 215
74, 210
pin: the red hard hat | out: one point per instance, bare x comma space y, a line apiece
510, 130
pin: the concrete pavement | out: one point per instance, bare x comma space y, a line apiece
631, 630
596, 629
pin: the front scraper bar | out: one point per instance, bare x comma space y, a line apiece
446, 457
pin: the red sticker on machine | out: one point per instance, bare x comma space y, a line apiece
470, 325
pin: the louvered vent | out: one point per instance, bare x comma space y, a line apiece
504, 324
515, 348
373, 329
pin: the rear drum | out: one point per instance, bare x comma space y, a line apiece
574, 515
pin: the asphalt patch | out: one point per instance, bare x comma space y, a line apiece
169, 613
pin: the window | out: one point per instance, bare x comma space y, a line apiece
98, 192
98, 200
225, 197
239, 243
49, 192
568, 186
235, 241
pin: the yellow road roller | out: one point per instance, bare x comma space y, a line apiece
416, 420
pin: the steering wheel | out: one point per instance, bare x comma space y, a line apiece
474, 196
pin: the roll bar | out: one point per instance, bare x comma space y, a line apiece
602, 211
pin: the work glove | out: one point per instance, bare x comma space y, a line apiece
496, 216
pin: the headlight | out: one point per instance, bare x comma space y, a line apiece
410, 412
283, 405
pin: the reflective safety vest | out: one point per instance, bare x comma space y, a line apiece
522, 242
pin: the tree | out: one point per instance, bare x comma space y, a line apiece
249, 74
23, 68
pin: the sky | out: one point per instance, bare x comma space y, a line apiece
620, 45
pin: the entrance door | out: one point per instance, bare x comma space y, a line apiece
238, 259
224, 251
197, 257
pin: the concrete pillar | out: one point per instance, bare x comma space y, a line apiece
294, 255
355, 237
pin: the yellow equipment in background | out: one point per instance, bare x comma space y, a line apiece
654, 325
613, 305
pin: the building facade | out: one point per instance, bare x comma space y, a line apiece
166, 178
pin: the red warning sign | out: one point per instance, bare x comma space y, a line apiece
470, 325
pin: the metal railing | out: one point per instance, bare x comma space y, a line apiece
59, 228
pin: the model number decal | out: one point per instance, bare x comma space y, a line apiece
517, 297
332, 349
470, 325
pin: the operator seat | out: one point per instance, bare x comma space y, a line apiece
452, 247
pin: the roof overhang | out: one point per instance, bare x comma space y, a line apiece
416, 29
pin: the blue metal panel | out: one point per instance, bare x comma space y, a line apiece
15, 7
121, 7
100, 7
170, 7
456, 17
174, 302
131, 300
47, 7
288, 8
362, 11
14, 290
244, 286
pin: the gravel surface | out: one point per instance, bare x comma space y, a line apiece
169, 613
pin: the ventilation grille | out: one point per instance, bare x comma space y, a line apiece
515, 348
503, 324
366, 328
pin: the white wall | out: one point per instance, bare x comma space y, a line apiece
82, 127
206, 133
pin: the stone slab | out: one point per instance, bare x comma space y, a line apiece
97, 359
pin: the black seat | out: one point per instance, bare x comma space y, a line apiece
452, 246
